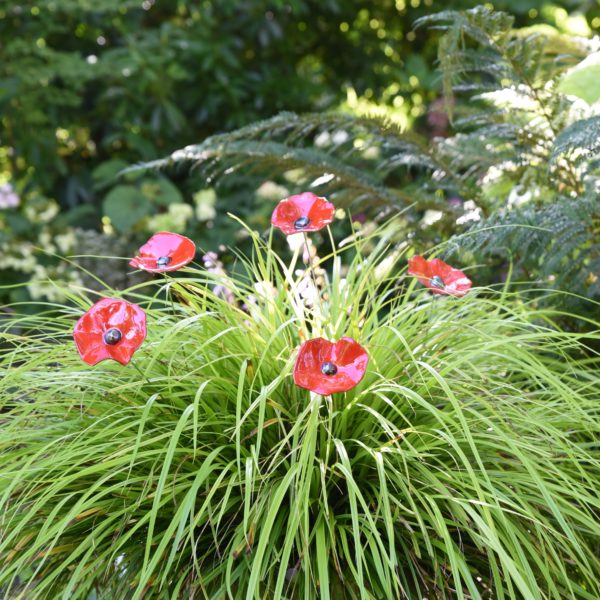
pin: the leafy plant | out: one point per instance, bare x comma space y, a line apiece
88, 89
534, 151
34, 233
83, 86
465, 464
523, 160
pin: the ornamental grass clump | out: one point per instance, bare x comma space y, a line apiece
383, 441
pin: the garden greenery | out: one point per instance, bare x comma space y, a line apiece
88, 89
461, 459
515, 180
465, 464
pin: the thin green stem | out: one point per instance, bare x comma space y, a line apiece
317, 302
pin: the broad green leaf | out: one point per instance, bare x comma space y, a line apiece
583, 80
126, 206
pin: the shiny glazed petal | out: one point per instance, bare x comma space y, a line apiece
106, 314
307, 205
346, 354
455, 282
164, 252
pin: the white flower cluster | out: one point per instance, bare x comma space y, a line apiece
18, 256
44, 281
8, 197
42, 211
176, 219
48, 283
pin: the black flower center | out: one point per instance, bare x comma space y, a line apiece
163, 261
301, 222
112, 336
437, 282
328, 368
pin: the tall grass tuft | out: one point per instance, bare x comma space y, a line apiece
464, 465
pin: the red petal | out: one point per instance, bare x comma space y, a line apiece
284, 215
348, 355
178, 248
107, 313
320, 214
319, 211
348, 352
89, 349
419, 267
456, 283
440, 268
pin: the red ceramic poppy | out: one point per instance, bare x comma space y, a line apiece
303, 212
439, 277
110, 329
164, 251
327, 367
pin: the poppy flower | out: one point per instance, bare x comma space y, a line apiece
302, 212
328, 367
110, 329
439, 277
164, 251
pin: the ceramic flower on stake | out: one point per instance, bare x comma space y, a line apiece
438, 276
302, 213
327, 367
112, 329
163, 252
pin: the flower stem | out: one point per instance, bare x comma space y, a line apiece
168, 292
317, 304
137, 368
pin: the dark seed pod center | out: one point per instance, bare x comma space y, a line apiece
328, 368
163, 261
112, 336
301, 222
437, 282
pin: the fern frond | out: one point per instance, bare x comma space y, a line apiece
579, 142
560, 242
488, 28
271, 158
358, 153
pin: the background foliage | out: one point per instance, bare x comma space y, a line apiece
514, 180
87, 89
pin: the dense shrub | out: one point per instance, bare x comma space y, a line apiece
464, 465
515, 179
88, 89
